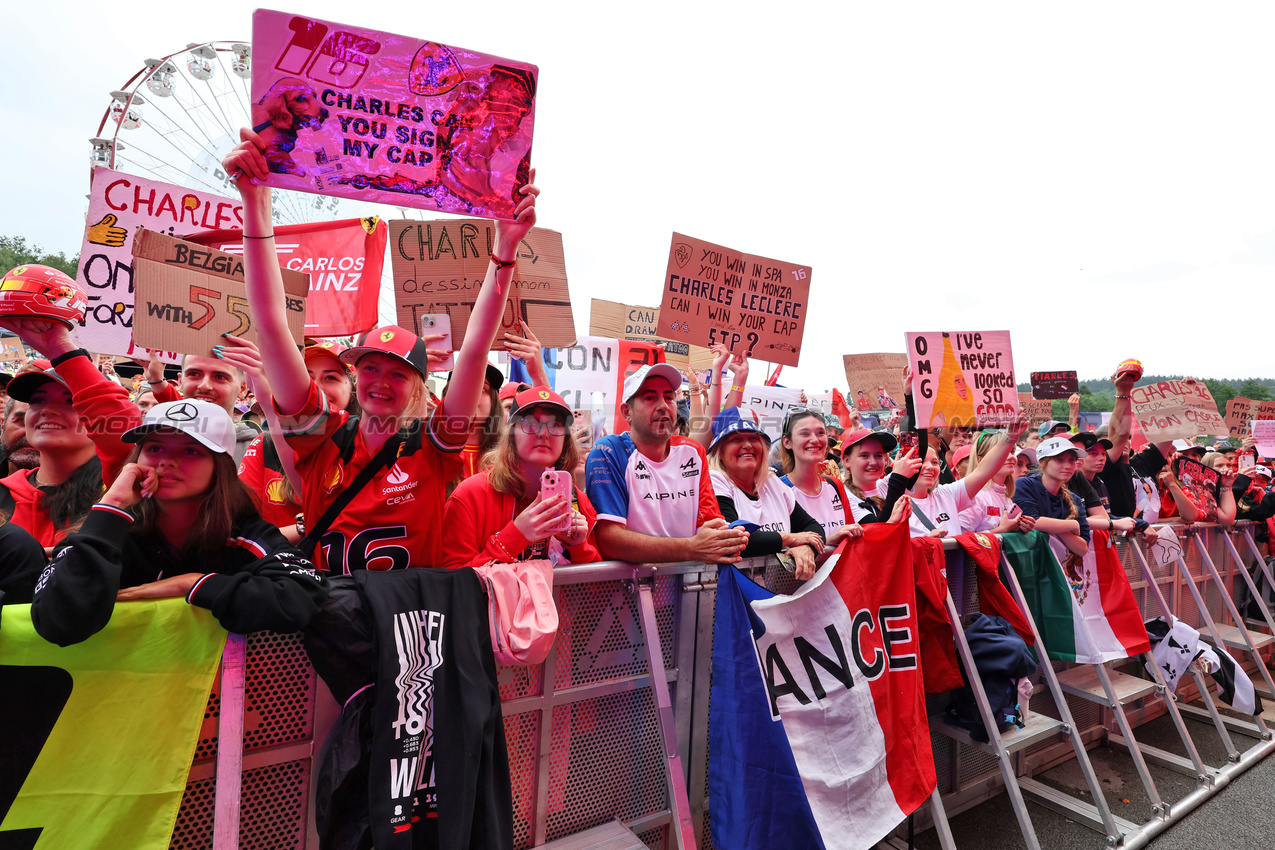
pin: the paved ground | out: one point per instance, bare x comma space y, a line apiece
1240, 817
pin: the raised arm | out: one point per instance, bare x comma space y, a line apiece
991, 465
466, 384
284, 366
1120, 430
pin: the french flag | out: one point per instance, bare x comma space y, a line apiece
817, 729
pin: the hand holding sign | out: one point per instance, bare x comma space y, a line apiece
106, 233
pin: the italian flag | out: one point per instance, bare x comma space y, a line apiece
1084, 607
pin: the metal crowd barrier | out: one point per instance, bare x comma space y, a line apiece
614, 725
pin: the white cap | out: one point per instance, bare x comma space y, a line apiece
1262, 470
634, 382
1186, 446
1055, 446
208, 423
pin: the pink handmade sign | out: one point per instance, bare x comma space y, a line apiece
962, 378
357, 113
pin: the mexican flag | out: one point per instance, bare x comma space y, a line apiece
1084, 607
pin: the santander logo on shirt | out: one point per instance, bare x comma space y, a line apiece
398, 482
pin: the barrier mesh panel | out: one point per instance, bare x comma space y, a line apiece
194, 827
654, 839
278, 691
615, 767
521, 737
600, 636
272, 808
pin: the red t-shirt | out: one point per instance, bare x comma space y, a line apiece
266, 487
470, 457
396, 521
480, 527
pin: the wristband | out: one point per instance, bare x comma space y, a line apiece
1124, 397
503, 264
267, 236
62, 358
736, 388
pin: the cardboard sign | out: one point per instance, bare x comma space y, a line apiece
1176, 410
963, 378
1200, 484
1051, 385
119, 203
629, 321
869, 374
342, 258
439, 267
12, 353
772, 405
1036, 410
748, 303
188, 295
1264, 434
1241, 411
356, 113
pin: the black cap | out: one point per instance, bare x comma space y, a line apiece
1089, 439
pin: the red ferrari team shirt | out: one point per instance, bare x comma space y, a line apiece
396, 519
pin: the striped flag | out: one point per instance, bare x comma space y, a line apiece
1086, 612
817, 728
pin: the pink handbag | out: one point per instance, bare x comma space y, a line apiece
522, 613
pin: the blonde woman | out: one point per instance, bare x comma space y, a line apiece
994, 509
748, 492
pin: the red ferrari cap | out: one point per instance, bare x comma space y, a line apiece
539, 397
394, 341
319, 348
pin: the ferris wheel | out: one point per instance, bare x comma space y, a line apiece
177, 116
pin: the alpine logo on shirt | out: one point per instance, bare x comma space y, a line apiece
418, 639
690, 469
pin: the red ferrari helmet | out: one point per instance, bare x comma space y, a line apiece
40, 292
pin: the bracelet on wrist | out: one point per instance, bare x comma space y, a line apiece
503, 264
1124, 397
267, 236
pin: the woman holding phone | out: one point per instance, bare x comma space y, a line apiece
500, 514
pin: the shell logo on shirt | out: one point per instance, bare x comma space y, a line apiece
333, 479
274, 492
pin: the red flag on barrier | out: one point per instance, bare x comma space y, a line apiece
344, 260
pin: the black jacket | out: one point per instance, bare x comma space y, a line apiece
418, 756
256, 582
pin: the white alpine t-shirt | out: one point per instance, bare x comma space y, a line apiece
943, 507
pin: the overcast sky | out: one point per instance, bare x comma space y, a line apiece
1096, 177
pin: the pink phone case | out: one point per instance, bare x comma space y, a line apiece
557, 482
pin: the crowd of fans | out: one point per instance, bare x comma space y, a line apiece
264, 467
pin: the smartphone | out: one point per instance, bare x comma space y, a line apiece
582, 425
557, 482
1245, 459
908, 440
439, 323
1014, 511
